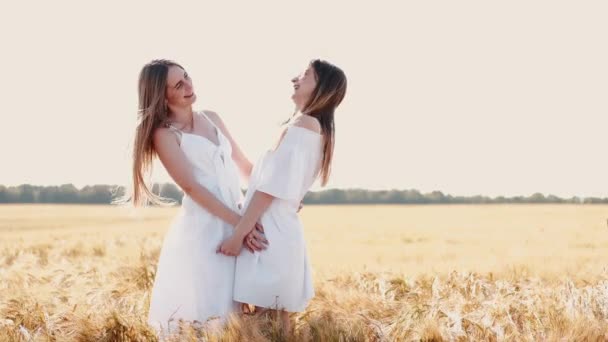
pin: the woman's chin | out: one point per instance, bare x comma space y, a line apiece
294, 99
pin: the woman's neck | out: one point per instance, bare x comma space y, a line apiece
183, 117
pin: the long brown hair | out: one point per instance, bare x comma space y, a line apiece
152, 113
325, 98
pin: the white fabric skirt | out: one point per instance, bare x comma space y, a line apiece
193, 282
279, 277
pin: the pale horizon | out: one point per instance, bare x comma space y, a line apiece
496, 99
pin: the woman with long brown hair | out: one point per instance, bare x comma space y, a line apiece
192, 283
279, 278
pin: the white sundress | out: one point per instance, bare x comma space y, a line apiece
193, 282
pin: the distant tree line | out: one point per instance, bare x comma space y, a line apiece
362, 196
105, 194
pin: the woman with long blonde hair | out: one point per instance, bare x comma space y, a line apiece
279, 277
193, 283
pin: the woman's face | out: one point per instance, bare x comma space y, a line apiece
180, 92
303, 86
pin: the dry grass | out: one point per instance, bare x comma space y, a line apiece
387, 273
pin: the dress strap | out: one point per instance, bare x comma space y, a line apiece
210, 121
175, 130
218, 131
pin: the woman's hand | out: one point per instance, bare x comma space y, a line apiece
258, 204
232, 246
255, 240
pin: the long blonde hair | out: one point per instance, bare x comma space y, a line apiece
325, 98
152, 113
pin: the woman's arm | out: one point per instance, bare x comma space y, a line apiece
241, 160
174, 160
260, 200
258, 205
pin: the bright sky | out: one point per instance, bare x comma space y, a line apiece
466, 97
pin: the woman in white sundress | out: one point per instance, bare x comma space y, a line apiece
192, 283
279, 278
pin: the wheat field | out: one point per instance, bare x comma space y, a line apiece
382, 273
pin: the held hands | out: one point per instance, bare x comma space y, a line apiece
231, 247
254, 241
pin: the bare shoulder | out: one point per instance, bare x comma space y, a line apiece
163, 135
217, 120
213, 116
308, 122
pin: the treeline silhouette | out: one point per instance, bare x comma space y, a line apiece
105, 194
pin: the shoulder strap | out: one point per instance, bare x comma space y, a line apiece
210, 121
175, 130
218, 131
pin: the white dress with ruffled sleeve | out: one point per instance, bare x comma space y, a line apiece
280, 276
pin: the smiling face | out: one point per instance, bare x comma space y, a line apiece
179, 91
303, 86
